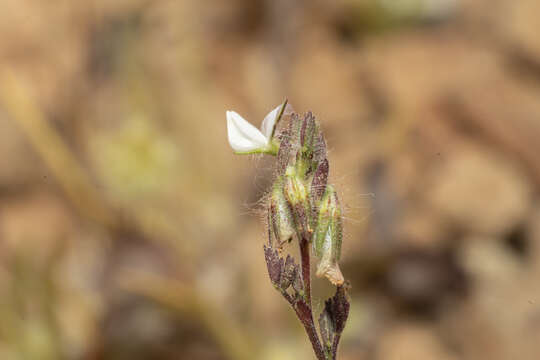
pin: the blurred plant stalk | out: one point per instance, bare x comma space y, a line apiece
16, 97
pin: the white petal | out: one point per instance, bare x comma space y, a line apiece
270, 120
243, 136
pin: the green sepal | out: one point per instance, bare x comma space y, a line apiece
271, 149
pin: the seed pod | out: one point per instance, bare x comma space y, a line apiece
281, 218
328, 236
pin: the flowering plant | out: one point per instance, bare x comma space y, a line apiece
301, 206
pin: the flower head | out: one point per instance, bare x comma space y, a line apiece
245, 138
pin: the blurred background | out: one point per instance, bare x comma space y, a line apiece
129, 230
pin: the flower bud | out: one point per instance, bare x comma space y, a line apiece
281, 219
328, 236
297, 196
295, 191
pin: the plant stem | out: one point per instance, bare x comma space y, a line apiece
335, 346
303, 308
304, 313
306, 269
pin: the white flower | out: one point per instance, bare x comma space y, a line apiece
246, 138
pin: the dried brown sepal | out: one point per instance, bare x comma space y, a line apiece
338, 309
303, 132
298, 284
319, 149
295, 129
284, 153
288, 273
274, 264
318, 184
308, 131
